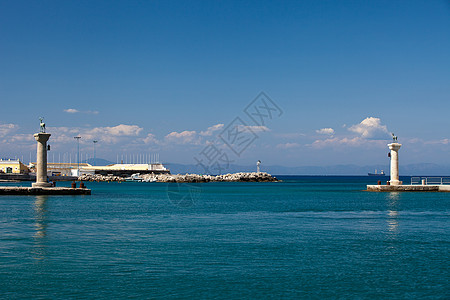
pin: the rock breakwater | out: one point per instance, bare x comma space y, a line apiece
235, 177
98, 177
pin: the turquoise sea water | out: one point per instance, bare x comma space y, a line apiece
305, 237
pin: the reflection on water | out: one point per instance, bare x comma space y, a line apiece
40, 225
394, 197
392, 217
392, 221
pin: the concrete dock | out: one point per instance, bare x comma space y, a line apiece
27, 191
408, 188
423, 184
42, 186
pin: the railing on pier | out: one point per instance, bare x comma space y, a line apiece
430, 180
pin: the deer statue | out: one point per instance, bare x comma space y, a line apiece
394, 137
42, 125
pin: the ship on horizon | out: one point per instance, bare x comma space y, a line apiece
377, 174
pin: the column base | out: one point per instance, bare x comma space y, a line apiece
41, 184
395, 182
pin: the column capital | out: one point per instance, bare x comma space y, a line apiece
42, 137
394, 146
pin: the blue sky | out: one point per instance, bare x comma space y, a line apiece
153, 76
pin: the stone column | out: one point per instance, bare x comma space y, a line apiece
41, 163
394, 147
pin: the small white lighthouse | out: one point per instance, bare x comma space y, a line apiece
394, 147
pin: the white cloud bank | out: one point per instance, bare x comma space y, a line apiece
191, 136
132, 134
255, 129
109, 135
370, 131
6, 129
211, 130
184, 137
115, 138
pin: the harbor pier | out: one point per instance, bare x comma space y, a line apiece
42, 186
395, 185
28, 191
408, 188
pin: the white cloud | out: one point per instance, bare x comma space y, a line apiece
370, 128
253, 128
150, 139
184, 137
210, 131
288, 145
119, 130
71, 110
6, 129
75, 111
328, 131
113, 134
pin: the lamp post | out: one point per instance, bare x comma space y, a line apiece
78, 153
95, 142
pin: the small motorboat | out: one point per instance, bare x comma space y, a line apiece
135, 178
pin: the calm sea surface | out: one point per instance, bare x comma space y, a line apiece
305, 237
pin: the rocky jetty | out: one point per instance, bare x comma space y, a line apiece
98, 177
236, 177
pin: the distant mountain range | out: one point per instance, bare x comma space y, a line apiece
423, 169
